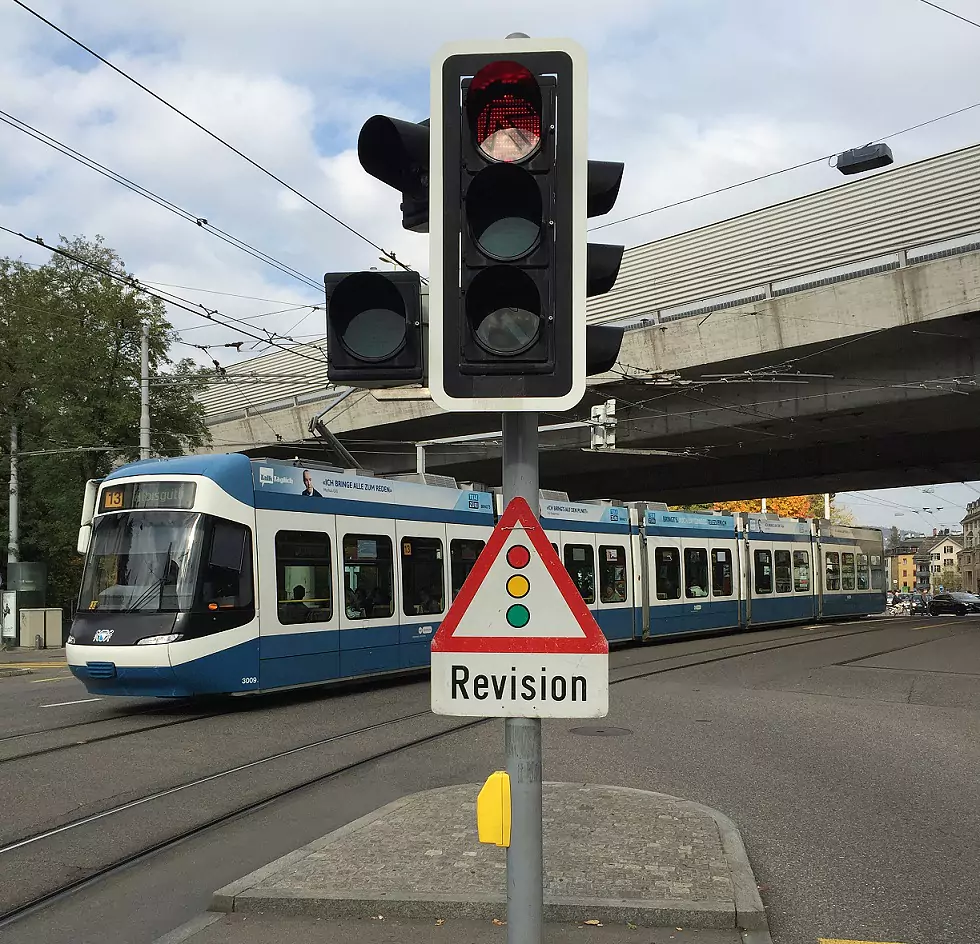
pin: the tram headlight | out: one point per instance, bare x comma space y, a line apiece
159, 640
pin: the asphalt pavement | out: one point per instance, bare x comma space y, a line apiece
848, 756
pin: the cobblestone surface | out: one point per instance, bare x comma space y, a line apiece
599, 843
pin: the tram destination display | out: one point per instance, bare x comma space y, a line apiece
140, 495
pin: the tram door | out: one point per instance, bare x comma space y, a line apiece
424, 587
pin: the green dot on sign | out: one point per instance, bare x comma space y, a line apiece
518, 615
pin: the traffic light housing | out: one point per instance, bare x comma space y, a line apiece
396, 152
374, 328
510, 191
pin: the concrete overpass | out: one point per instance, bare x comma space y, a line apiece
830, 342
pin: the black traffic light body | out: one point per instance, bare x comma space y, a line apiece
510, 191
374, 328
396, 152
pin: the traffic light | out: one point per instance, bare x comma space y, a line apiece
374, 328
396, 152
510, 191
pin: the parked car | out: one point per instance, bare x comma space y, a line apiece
958, 603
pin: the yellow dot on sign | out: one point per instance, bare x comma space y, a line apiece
518, 586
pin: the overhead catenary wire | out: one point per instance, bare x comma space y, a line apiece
200, 221
774, 173
936, 6
216, 137
176, 301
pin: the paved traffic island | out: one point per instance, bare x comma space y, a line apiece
611, 854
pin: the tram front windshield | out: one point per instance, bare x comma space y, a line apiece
143, 561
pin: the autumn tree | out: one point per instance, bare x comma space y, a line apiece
69, 377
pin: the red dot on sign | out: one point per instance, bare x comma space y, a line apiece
518, 556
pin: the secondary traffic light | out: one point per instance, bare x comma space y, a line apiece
396, 152
374, 328
510, 191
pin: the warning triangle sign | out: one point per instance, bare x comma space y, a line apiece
519, 598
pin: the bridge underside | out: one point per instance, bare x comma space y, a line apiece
887, 408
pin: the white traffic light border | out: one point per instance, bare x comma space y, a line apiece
503, 48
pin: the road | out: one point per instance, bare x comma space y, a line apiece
848, 755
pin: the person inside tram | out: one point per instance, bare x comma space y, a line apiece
613, 593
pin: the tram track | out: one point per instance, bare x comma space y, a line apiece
16, 911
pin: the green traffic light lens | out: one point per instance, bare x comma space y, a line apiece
504, 210
368, 314
518, 616
504, 310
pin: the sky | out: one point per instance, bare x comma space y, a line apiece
693, 95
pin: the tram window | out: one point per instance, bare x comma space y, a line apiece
695, 572
863, 572
832, 566
368, 583
226, 580
763, 572
423, 581
581, 568
612, 574
721, 572
784, 573
801, 571
462, 556
668, 564
847, 571
877, 573
303, 577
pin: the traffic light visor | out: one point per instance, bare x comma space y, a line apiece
504, 310
503, 206
369, 316
503, 105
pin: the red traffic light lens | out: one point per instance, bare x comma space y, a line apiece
504, 107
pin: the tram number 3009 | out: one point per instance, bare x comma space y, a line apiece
250, 681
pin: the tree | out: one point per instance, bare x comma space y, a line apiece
69, 377
893, 539
948, 580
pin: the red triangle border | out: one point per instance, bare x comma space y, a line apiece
518, 511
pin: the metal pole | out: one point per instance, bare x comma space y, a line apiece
145, 393
420, 459
763, 506
522, 736
13, 546
826, 505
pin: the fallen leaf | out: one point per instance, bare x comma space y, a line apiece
498, 922
595, 923
631, 926
440, 922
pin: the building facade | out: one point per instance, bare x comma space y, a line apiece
969, 557
901, 565
937, 564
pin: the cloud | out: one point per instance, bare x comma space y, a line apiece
692, 94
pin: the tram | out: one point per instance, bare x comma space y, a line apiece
224, 574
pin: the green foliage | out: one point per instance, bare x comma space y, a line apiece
69, 376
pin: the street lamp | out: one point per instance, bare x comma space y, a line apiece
869, 157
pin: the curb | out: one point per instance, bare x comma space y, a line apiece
11, 672
191, 929
747, 913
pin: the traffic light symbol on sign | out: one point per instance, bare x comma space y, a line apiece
518, 587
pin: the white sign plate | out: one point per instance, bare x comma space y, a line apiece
519, 641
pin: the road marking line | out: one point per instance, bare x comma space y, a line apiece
61, 704
54, 678
840, 940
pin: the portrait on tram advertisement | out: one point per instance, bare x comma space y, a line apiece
308, 490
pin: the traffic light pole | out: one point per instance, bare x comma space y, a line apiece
522, 736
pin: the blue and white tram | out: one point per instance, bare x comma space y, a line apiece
213, 574
224, 574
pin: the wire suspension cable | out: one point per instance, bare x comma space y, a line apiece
218, 138
142, 191
176, 300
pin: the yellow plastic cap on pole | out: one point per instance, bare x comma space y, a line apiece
493, 810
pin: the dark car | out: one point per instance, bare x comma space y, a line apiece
957, 603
